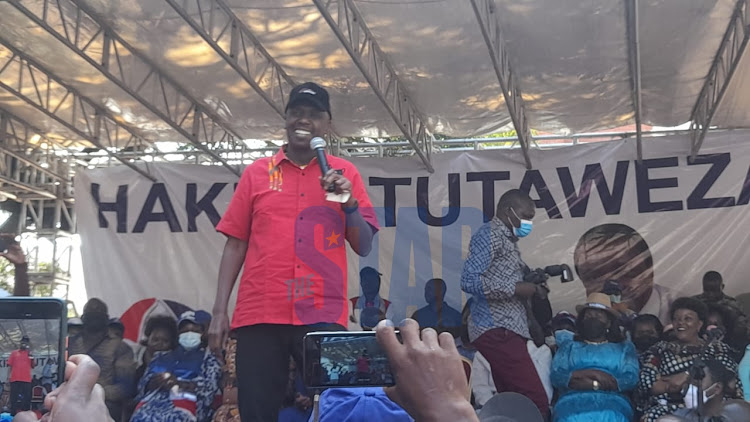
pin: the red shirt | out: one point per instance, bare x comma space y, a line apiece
21, 365
295, 266
363, 364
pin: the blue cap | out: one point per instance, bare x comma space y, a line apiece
187, 316
202, 317
359, 404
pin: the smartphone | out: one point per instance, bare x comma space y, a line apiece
32, 337
345, 359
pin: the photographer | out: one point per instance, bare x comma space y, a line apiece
15, 255
494, 275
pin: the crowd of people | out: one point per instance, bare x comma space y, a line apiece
614, 361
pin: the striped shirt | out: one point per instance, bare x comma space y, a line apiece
491, 272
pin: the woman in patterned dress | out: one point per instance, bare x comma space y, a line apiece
180, 385
665, 370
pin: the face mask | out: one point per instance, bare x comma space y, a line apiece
95, 321
525, 228
616, 298
691, 397
593, 329
642, 343
190, 340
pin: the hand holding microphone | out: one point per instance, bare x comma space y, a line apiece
318, 145
332, 181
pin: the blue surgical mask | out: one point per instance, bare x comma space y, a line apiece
525, 228
190, 340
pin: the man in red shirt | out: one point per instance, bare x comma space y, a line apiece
291, 240
20, 363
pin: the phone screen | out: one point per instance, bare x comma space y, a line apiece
32, 353
345, 359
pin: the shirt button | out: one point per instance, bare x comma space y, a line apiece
297, 266
302, 218
302, 194
303, 173
299, 240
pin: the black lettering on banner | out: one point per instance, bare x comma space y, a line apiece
389, 195
454, 201
206, 204
744, 197
159, 193
697, 199
533, 178
488, 179
611, 200
119, 207
644, 185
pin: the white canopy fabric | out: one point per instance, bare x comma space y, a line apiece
571, 58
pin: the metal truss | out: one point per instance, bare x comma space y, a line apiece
634, 61
29, 167
64, 104
490, 25
215, 22
34, 224
355, 36
403, 148
221, 29
74, 24
727, 59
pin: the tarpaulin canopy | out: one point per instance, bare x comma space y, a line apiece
210, 71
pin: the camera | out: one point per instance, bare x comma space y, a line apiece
539, 275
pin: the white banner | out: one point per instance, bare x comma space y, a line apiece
144, 240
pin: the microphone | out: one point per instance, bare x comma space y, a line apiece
319, 145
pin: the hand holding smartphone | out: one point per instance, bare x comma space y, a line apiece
345, 359
32, 347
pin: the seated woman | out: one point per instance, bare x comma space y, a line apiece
665, 369
160, 336
180, 385
593, 370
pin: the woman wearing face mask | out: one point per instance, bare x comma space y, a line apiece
665, 366
180, 385
595, 369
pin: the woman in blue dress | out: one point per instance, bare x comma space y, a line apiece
594, 370
180, 385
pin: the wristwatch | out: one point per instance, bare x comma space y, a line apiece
596, 385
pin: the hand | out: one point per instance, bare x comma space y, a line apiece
15, 254
218, 332
430, 381
584, 380
341, 183
606, 381
302, 402
80, 398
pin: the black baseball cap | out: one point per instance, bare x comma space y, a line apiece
312, 94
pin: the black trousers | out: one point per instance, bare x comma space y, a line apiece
263, 353
20, 396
